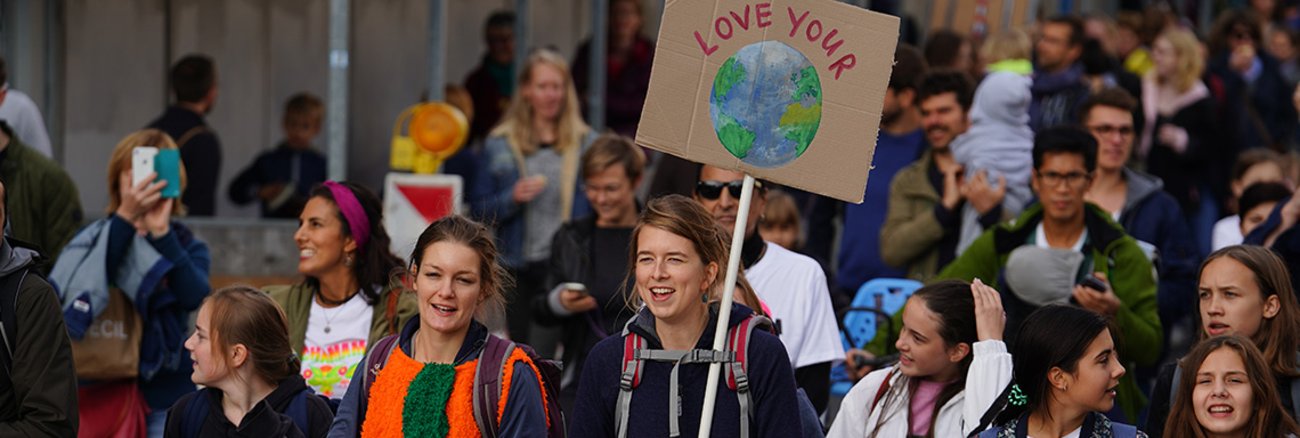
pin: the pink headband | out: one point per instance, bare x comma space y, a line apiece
347, 202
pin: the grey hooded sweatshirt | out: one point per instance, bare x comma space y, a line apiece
999, 142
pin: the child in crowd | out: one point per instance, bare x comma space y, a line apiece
1066, 371
952, 366
1257, 203
282, 178
1244, 291
1007, 51
1253, 166
252, 388
1230, 394
780, 221
996, 150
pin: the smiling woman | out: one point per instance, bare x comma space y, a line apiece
347, 298
952, 367
431, 371
676, 275
528, 185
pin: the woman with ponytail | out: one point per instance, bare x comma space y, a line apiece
952, 366
1067, 370
241, 353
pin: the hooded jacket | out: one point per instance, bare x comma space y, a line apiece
42, 202
165, 278
266, 419
1154, 218
771, 381
998, 142
1112, 252
40, 398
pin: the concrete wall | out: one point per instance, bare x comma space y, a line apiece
116, 62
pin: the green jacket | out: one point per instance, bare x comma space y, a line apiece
1126, 266
296, 302
42, 204
1114, 253
911, 234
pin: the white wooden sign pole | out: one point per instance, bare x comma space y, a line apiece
724, 309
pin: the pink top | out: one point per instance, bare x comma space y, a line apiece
923, 400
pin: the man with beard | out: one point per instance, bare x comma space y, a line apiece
923, 220
1059, 87
923, 223
899, 143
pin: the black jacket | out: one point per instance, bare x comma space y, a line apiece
267, 419
40, 397
1184, 174
201, 155
571, 252
301, 169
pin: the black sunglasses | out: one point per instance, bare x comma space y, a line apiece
713, 189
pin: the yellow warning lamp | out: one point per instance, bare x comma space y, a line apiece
434, 132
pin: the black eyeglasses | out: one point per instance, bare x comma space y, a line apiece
713, 189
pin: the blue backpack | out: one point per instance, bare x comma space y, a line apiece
197, 412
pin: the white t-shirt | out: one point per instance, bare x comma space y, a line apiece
1073, 434
1227, 232
335, 344
21, 114
794, 288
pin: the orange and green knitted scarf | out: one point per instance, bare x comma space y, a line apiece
411, 398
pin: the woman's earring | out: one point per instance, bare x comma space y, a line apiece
347, 260
704, 297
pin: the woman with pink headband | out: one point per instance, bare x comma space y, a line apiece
347, 298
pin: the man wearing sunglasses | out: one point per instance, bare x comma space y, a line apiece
791, 284
1137, 200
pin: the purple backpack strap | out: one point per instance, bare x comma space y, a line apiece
487, 383
375, 361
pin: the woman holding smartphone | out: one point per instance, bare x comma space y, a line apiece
141, 230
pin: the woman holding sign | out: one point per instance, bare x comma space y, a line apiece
121, 256
677, 260
529, 183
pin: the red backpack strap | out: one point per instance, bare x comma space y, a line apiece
487, 383
629, 379
884, 388
738, 337
375, 360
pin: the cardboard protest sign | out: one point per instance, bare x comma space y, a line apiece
787, 91
412, 202
978, 18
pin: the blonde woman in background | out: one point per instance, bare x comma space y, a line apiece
528, 185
